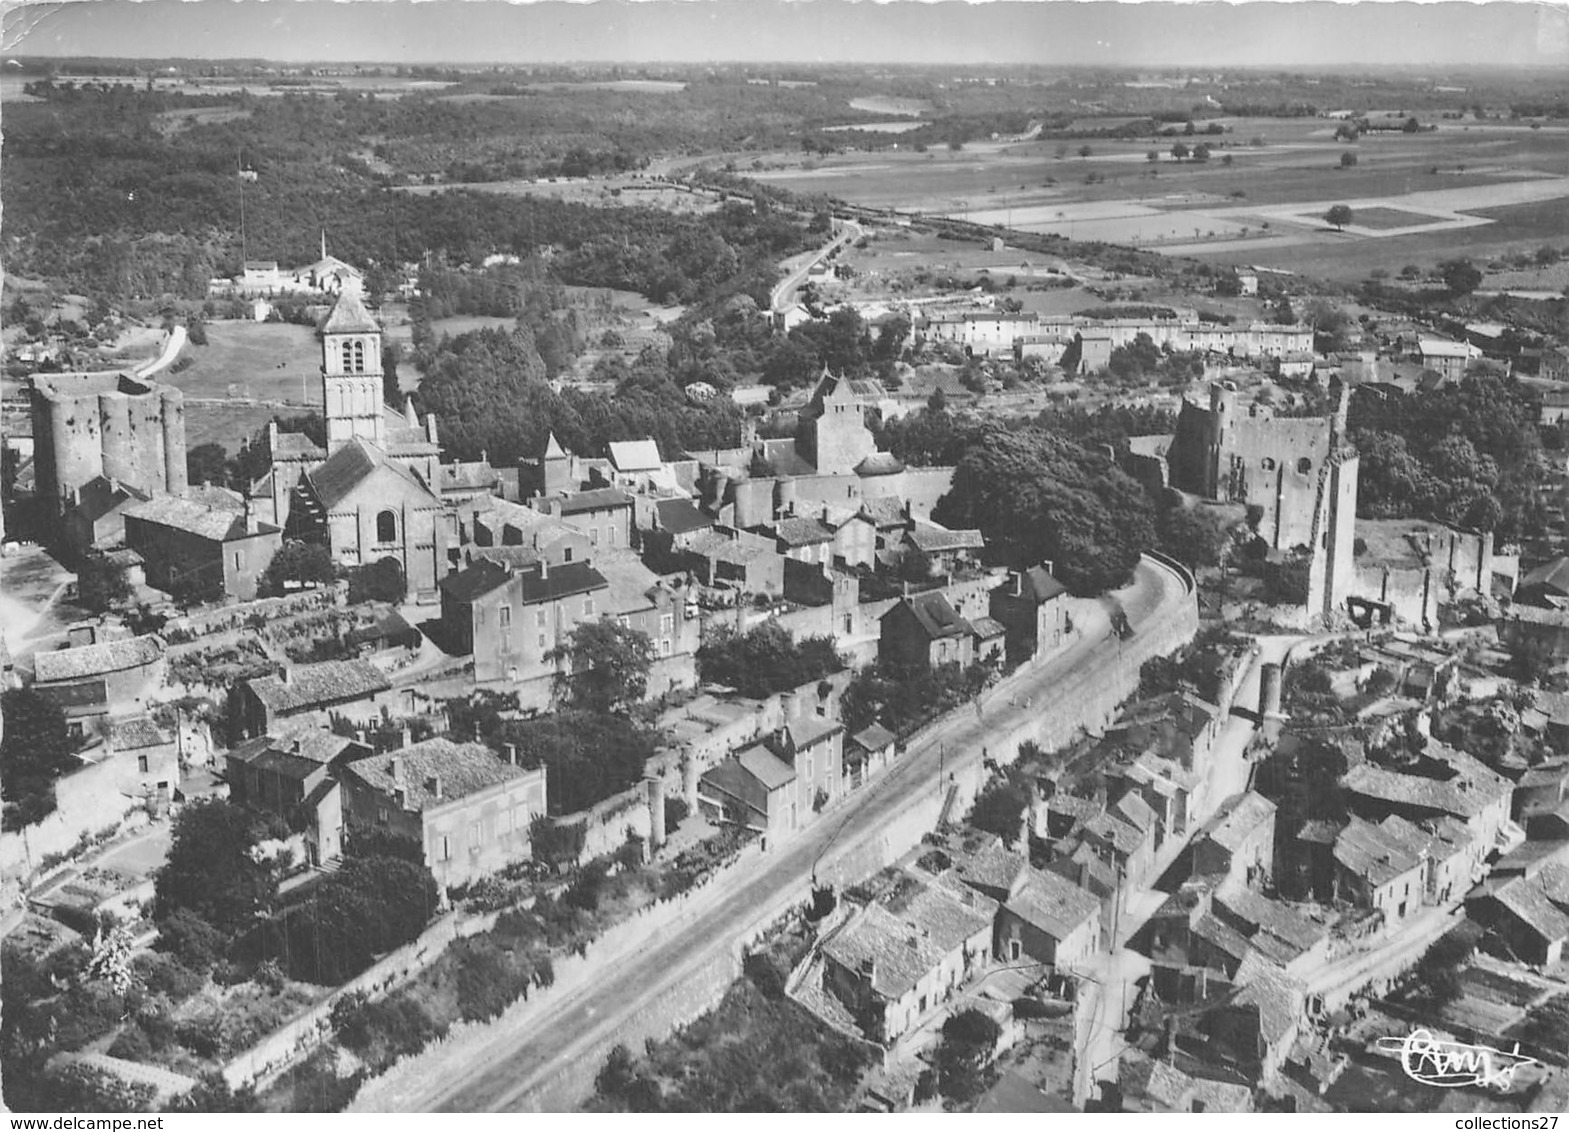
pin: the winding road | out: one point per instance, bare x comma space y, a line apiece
546, 1063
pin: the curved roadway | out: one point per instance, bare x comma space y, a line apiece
534, 1069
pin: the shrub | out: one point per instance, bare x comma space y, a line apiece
165, 975
132, 1044
676, 811
487, 982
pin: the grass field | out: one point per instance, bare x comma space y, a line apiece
1379, 217
230, 425
263, 361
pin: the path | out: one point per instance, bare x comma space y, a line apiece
537, 1066
845, 232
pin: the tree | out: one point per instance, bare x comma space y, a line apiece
1180, 150
382, 580
1348, 159
207, 464
101, 584
216, 868
602, 666
297, 564
1037, 496
1201, 152
1410, 126
1339, 215
391, 386
1460, 276
765, 660
1151, 156
1085, 151
969, 1039
35, 751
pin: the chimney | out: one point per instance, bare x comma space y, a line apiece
544, 569
787, 706
286, 675
397, 769
114, 486
406, 738
359, 736
400, 795
869, 969
512, 754
433, 784
1017, 577
1047, 565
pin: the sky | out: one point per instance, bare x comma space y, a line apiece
1259, 33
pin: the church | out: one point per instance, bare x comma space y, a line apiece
374, 492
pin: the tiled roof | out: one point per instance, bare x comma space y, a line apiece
1279, 1001
215, 524
799, 531
296, 445
476, 581
1051, 904
468, 476
1239, 816
463, 768
1269, 917
678, 516
985, 628
634, 455
994, 865
1122, 836
137, 734
1472, 788
1536, 615
1219, 934
96, 660
348, 467
1135, 811
1376, 853
1036, 584
599, 499
929, 538
933, 614
806, 730
885, 511
510, 557
1140, 1075
349, 316
318, 685
1540, 901
100, 496
297, 753
906, 944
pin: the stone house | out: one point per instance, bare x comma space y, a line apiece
1033, 607
257, 706
1239, 840
211, 549
924, 631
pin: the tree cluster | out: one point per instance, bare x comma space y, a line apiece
765, 660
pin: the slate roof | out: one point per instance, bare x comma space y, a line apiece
294, 754
542, 585
1536, 615
1471, 790
349, 316
479, 579
908, 943
1012, 1093
553, 449
1541, 901
1037, 585
1141, 1075
96, 660
1047, 902
215, 524
1239, 816
1279, 1001
1270, 918
1135, 811
472, 475
757, 762
101, 497
598, 499
464, 769
317, 685
635, 455
936, 618
1122, 836
806, 730
1552, 575
679, 516
929, 538
296, 445
874, 738
350, 466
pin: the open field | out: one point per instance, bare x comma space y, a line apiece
889, 104
263, 361
628, 192
1382, 217
230, 423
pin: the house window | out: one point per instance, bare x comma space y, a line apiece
539, 617
446, 848
1304, 466
593, 536
506, 617
566, 554
808, 766
474, 833
542, 642
588, 607
667, 622
236, 559
664, 646
387, 527
1269, 464
624, 621
610, 535
141, 763
381, 814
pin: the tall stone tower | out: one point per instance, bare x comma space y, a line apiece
351, 374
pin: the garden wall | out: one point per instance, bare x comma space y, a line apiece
95, 798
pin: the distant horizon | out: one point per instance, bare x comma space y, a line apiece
1157, 34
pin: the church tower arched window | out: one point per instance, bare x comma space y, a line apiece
387, 527
348, 357
359, 356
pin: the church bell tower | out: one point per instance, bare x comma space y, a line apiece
351, 379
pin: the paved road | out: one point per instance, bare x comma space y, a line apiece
513, 1072
847, 231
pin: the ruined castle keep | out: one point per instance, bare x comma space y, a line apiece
1298, 477
87, 425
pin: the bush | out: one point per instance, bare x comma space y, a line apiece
585, 889
676, 811
132, 1044
165, 975
487, 982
